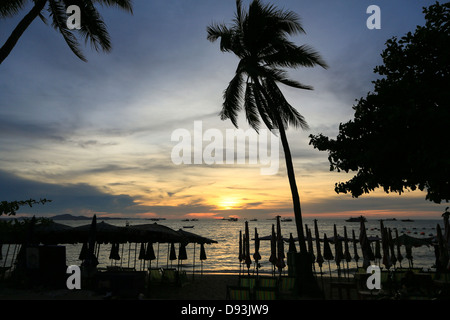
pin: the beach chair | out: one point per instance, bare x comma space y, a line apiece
267, 282
182, 278
262, 293
155, 275
238, 293
247, 282
286, 284
169, 276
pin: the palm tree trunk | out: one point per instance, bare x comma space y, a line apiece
6, 49
306, 283
290, 170
293, 185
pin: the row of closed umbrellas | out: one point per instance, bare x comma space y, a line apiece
94, 234
384, 249
56, 233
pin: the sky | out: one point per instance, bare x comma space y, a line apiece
97, 137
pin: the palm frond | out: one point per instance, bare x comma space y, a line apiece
58, 14
289, 115
232, 99
284, 53
9, 8
259, 38
264, 109
251, 108
225, 34
281, 76
126, 5
93, 28
289, 22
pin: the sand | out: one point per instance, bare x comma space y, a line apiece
201, 287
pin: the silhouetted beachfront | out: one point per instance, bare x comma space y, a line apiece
223, 264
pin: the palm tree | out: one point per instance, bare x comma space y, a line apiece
92, 26
259, 38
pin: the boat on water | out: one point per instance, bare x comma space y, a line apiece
156, 219
407, 220
286, 220
187, 227
230, 219
358, 219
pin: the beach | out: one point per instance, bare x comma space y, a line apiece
201, 287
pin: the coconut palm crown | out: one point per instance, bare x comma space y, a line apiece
93, 29
259, 38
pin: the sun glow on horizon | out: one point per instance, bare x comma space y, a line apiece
229, 203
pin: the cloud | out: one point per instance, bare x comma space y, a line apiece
66, 198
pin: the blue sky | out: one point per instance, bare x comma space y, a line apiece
95, 137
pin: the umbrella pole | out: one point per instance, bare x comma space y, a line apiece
135, 253
167, 258
129, 253
157, 258
14, 255
121, 256
321, 278
193, 263
6, 257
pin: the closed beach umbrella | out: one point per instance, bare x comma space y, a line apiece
310, 245
399, 254
347, 255
355, 249
327, 254
114, 253
240, 254
292, 247
182, 254
338, 250
172, 254
150, 253
377, 252
247, 258
202, 252
280, 247
90, 259
443, 253
385, 246
142, 252
273, 247
391, 248
202, 255
257, 255
365, 246
409, 256
319, 257
83, 253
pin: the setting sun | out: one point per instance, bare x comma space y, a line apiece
228, 203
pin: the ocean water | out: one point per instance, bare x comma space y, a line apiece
222, 257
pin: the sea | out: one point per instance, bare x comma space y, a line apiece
223, 256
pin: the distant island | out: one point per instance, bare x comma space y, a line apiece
71, 217
358, 219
